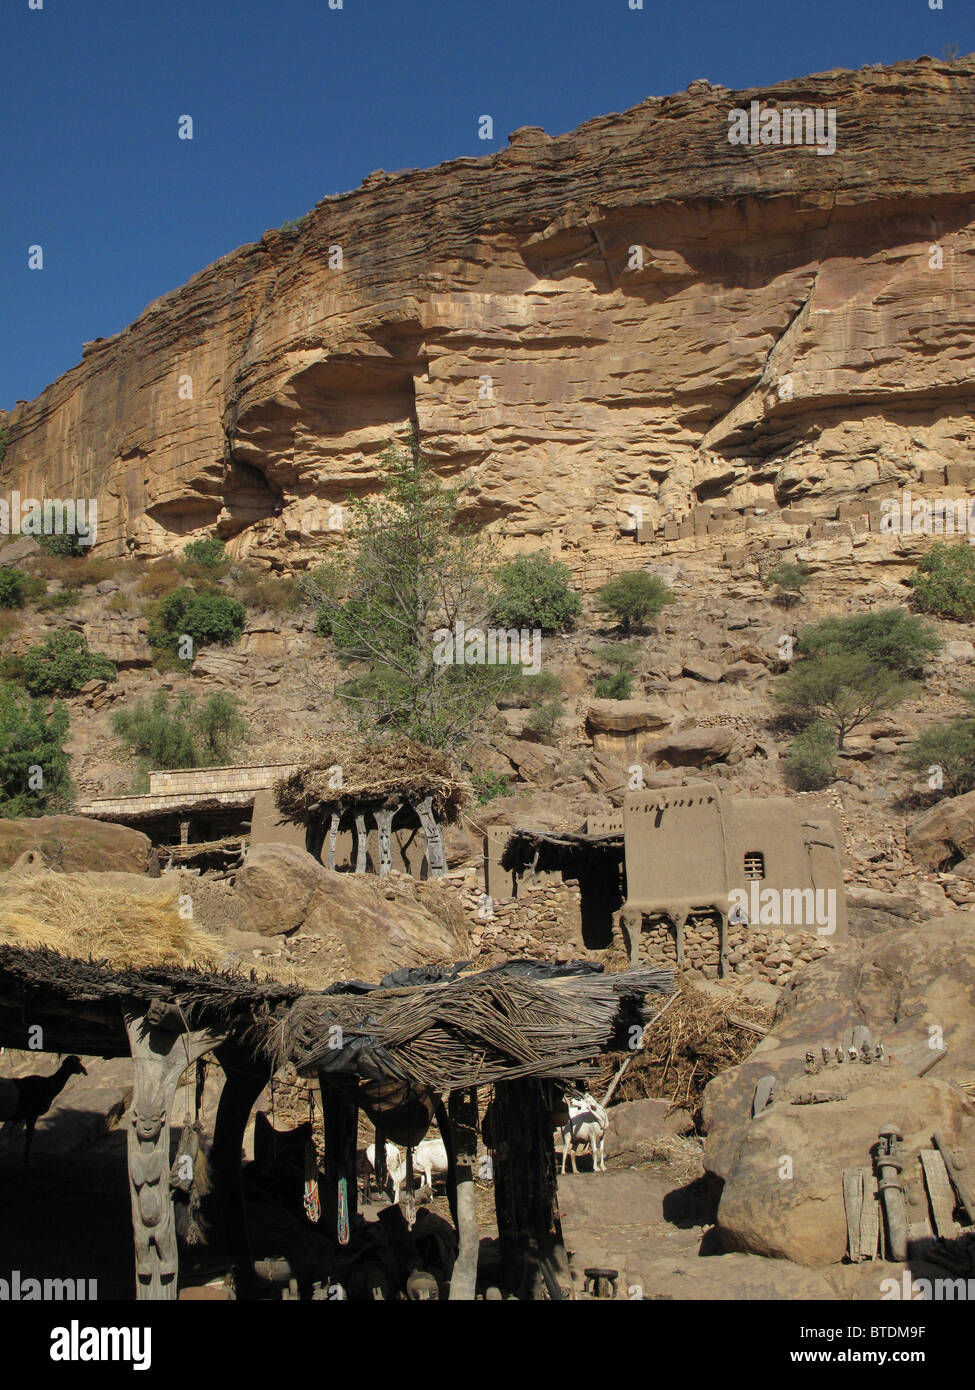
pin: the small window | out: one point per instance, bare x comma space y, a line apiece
754, 865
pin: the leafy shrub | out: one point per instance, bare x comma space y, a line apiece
13, 587
944, 582
32, 734
545, 718
209, 552
787, 578
634, 598
58, 601
488, 785
62, 664
538, 689
811, 759
889, 638
67, 544
617, 687
205, 617
950, 747
181, 733
533, 591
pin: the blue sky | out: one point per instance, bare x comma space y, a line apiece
292, 100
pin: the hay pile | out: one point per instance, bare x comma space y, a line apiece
123, 919
372, 772
695, 1040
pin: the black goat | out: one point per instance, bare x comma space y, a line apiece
27, 1098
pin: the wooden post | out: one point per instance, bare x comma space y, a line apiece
462, 1110
160, 1055
525, 1187
245, 1080
340, 1113
360, 843
384, 825
436, 858
333, 835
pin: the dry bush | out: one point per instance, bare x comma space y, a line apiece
159, 577
695, 1040
269, 593
124, 919
75, 571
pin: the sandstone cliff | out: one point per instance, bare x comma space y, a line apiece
787, 336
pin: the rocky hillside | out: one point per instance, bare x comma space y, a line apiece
635, 314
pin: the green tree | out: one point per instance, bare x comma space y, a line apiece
63, 663
165, 733
890, 638
205, 617
634, 598
33, 764
13, 588
944, 582
413, 572
623, 658
841, 689
533, 591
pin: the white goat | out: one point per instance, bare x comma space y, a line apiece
587, 1124
429, 1157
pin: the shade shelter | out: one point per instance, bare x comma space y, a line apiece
419, 1044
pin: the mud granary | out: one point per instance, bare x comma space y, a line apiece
692, 875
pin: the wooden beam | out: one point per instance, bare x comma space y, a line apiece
436, 857
340, 1111
245, 1078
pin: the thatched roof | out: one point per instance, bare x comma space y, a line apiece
470, 1030
373, 773
549, 850
80, 1003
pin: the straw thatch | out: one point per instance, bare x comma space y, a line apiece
469, 1031
373, 772
690, 1044
123, 919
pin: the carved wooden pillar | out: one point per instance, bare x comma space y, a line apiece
333, 835
360, 843
436, 858
161, 1053
384, 825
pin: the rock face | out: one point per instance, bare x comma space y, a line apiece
900, 985
635, 314
75, 843
944, 834
797, 1212
367, 926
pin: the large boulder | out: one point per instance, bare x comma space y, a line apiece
900, 985
626, 716
636, 1125
944, 834
76, 843
784, 1194
700, 747
367, 925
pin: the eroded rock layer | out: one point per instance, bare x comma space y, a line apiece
635, 315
